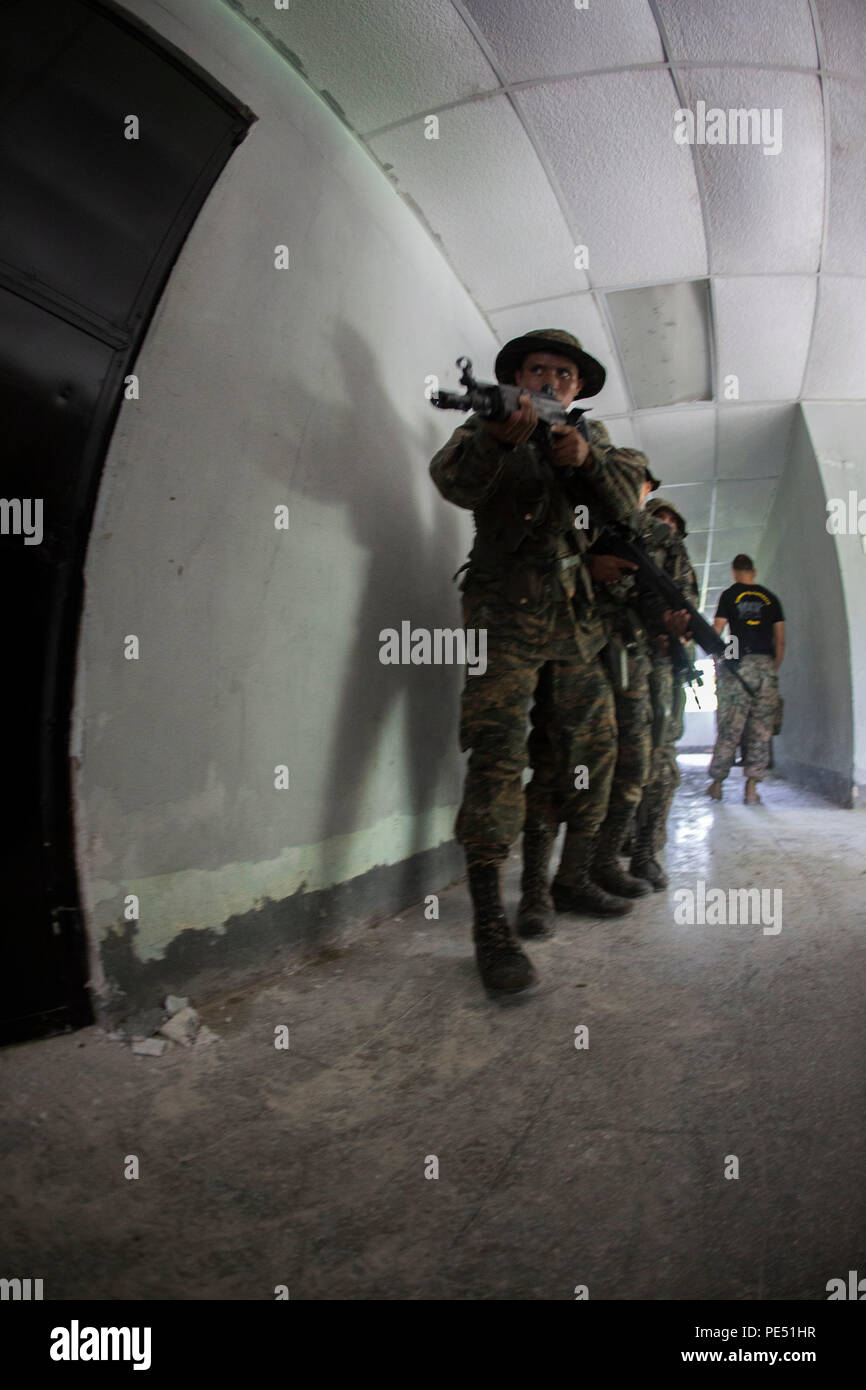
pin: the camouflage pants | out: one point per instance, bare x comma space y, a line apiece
746, 719
634, 740
679, 712
572, 740
669, 703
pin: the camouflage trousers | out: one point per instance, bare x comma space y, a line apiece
571, 746
746, 719
669, 703
634, 741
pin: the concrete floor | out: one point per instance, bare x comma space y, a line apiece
557, 1167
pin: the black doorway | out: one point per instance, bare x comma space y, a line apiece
91, 222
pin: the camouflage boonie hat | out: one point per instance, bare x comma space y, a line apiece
660, 504
556, 340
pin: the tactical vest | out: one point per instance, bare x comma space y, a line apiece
525, 532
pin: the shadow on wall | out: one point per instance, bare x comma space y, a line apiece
398, 719
374, 460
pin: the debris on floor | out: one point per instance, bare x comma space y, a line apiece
149, 1047
181, 1027
153, 1032
174, 1003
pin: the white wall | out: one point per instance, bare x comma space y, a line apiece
800, 561
838, 435
261, 387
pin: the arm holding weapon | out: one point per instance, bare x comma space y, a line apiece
579, 449
473, 464
496, 402
623, 542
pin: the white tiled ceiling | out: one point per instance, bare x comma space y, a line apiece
697, 544
775, 32
764, 212
681, 443
380, 61
762, 332
556, 130
630, 191
837, 362
843, 32
748, 497
549, 38
694, 500
663, 332
719, 573
485, 217
726, 543
845, 251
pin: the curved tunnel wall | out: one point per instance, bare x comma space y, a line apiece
837, 430
803, 563
259, 647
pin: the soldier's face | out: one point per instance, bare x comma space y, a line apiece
546, 368
668, 518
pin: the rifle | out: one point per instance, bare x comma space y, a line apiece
685, 670
494, 401
628, 547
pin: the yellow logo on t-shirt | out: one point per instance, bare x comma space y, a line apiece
751, 607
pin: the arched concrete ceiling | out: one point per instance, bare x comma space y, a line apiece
556, 131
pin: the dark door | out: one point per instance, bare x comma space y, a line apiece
91, 222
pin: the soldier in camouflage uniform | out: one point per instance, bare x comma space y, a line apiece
663, 531
636, 619
528, 585
757, 625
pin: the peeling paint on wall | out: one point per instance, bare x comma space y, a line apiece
200, 899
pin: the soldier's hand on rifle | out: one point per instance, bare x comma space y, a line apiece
568, 448
609, 569
677, 623
517, 428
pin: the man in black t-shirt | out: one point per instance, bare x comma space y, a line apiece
754, 616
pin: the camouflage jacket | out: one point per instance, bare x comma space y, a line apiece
631, 609
669, 549
533, 524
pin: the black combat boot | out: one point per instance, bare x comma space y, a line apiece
574, 891
535, 916
606, 869
643, 862
503, 967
